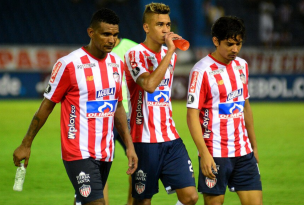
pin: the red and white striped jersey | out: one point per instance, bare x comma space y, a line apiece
89, 90
219, 91
150, 113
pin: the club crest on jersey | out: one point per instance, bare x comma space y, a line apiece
243, 78
55, 71
105, 108
116, 77
231, 110
158, 98
87, 65
235, 94
105, 92
140, 187
218, 71
238, 67
210, 182
85, 190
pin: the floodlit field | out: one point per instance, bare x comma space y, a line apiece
279, 129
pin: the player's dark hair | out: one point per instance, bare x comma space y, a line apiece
104, 15
228, 27
155, 8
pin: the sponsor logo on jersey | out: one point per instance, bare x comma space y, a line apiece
139, 113
87, 65
83, 178
135, 71
243, 78
231, 110
113, 65
210, 182
48, 89
85, 190
104, 108
238, 67
158, 98
105, 92
205, 124
149, 57
55, 71
140, 175
235, 94
116, 77
72, 131
139, 187
132, 59
90, 78
190, 99
218, 71
193, 82
164, 82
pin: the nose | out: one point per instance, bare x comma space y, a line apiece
111, 39
235, 48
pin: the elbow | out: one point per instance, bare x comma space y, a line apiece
148, 87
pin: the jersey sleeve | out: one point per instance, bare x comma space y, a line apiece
122, 89
197, 89
135, 63
59, 82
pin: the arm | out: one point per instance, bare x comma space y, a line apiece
120, 121
149, 82
195, 128
250, 128
40, 117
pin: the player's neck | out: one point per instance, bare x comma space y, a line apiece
95, 52
152, 45
220, 58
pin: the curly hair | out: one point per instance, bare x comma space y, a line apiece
155, 8
228, 27
104, 15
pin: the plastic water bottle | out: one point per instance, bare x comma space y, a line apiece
19, 178
182, 44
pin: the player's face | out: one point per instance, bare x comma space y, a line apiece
228, 49
104, 37
157, 26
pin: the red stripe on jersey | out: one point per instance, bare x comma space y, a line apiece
105, 84
151, 125
91, 96
69, 76
172, 128
142, 61
236, 121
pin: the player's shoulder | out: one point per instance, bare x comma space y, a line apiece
115, 56
74, 55
241, 60
203, 64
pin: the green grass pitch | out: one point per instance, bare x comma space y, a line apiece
279, 128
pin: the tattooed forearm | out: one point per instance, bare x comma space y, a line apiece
34, 127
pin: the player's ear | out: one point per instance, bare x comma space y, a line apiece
146, 27
90, 32
215, 41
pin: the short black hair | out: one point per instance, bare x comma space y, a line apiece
228, 27
104, 15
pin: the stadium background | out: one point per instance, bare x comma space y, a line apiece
35, 33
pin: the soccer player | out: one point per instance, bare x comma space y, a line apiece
220, 119
87, 82
161, 153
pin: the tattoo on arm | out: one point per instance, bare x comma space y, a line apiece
34, 127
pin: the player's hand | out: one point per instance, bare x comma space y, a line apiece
22, 152
208, 165
169, 37
132, 161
